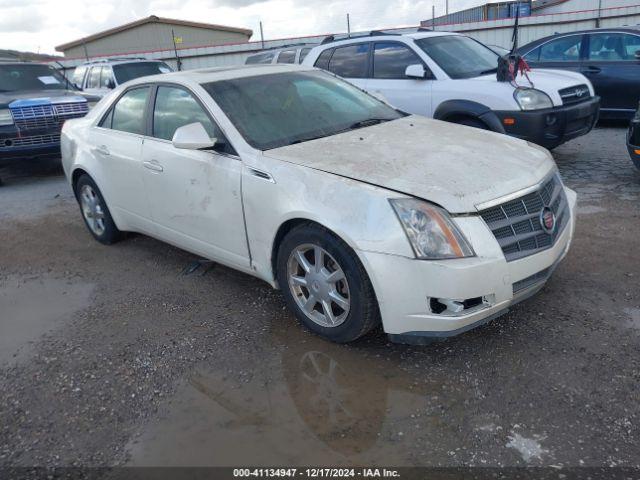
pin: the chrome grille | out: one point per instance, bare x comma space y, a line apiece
47, 116
577, 94
31, 141
516, 224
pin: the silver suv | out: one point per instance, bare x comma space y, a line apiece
292, 54
101, 76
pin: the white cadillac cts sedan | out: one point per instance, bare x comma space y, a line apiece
359, 213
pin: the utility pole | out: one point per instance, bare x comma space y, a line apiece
433, 16
261, 35
599, 13
348, 27
86, 53
175, 51
447, 7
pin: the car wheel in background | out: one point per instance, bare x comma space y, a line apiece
325, 284
95, 213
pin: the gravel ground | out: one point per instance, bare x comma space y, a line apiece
117, 356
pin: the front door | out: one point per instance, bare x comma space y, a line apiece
195, 195
388, 79
614, 70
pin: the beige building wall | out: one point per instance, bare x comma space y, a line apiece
153, 36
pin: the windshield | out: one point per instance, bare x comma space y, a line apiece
129, 71
460, 56
274, 110
30, 77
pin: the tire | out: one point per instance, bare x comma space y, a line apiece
341, 285
95, 212
472, 122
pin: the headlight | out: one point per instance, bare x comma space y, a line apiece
430, 230
532, 99
5, 117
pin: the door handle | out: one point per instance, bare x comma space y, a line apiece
103, 150
153, 165
592, 69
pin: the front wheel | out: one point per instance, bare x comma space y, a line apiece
325, 284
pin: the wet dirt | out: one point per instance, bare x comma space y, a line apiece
146, 364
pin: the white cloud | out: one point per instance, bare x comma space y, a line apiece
42, 24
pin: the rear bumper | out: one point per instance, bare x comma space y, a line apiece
553, 126
404, 287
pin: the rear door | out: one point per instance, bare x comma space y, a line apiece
351, 62
389, 82
614, 70
117, 145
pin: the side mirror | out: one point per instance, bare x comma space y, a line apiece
111, 84
415, 71
192, 137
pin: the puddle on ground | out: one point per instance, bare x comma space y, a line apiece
30, 308
634, 317
307, 402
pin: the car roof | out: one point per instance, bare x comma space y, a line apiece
535, 43
384, 36
206, 75
118, 61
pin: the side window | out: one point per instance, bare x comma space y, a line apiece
174, 108
533, 55
323, 59
128, 113
287, 56
107, 120
78, 76
391, 59
613, 46
303, 54
94, 78
565, 49
105, 76
350, 61
260, 58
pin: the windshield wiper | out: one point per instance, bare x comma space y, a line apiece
487, 72
361, 124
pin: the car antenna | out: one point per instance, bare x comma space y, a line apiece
509, 65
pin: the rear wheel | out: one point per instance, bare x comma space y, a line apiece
95, 213
325, 284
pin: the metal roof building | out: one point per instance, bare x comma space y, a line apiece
151, 34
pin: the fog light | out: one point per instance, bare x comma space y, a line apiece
551, 120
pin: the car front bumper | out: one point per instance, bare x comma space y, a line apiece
18, 144
552, 126
404, 287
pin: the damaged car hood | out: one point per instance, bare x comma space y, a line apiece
454, 166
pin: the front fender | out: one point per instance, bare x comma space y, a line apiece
456, 108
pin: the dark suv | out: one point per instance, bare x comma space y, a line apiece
35, 100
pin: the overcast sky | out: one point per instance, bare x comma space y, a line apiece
40, 25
